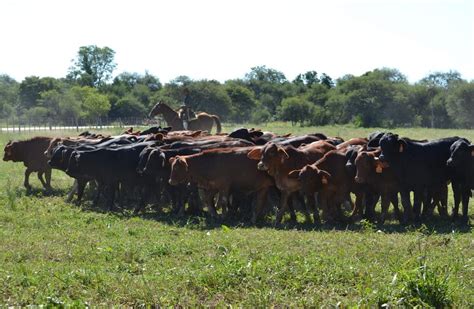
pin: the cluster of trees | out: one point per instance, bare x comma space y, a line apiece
382, 97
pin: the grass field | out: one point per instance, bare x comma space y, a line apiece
55, 253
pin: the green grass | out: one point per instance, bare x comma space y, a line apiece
54, 253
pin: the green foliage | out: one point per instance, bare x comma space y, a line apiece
8, 95
424, 287
460, 105
242, 100
296, 110
209, 96
93, 66
93, 103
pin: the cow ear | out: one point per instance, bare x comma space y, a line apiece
283, 152
183, 161
171, 160
472, 150
401, 145
325, 177
255, 154
162, 155
294, 174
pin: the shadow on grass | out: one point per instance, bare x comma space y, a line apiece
434, 225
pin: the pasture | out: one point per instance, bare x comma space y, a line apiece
56, 253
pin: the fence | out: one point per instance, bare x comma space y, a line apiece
14, 124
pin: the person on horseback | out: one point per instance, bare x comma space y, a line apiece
185, 112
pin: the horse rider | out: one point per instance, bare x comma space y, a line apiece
186, 113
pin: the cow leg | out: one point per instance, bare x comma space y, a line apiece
223, 202
81, 185
100, 188
443, 202
417, 199
359, 202
259, 205
47, 176
407, 211
429, 201
209, 198
384, 204
41, 179
283, 206
72, 191
26, 182
457, 192
311, 206
466, 194
394, 200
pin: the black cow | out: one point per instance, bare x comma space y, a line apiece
461, 160
419, 167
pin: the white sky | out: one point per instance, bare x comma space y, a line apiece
223, 39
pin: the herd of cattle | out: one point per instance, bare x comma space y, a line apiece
247, 172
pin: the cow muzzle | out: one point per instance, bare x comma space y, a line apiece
261, 166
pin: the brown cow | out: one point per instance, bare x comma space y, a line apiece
380, 179
330, 179
31, 153
222, 170
279, 160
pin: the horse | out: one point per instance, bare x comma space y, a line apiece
203, 121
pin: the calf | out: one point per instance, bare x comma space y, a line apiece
279, 160
31, 153
222, 170
419, 167
461, 161
329, 178
380, 179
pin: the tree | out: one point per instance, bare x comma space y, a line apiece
296, 109
32, 87
93, 66
268, 85
309, 78
8, 95
441, 79
460, 105
209, 96
129, 106
242, 99
93, 103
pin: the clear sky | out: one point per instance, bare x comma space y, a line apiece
223, 39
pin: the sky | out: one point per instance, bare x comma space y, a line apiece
224, 39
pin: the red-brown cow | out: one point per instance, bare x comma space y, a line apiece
31, 153
279, 160
380, 179
222, 170
330, 179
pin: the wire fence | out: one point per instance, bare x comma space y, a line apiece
14, 124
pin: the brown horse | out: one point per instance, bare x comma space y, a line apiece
203, 121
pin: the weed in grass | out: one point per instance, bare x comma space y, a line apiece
11, 195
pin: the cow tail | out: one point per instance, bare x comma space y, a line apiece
218, 123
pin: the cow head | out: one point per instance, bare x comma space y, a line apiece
58, 158
311, 178
156, 161
179, 170
271, 157
461, 154
392, 147
11, 152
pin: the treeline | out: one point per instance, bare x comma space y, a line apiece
382, 97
